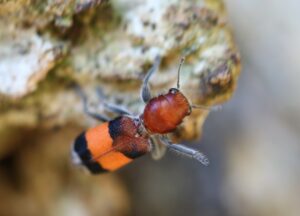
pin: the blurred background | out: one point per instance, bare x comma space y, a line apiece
253, 144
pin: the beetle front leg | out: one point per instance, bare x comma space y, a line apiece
185, 151
145, 90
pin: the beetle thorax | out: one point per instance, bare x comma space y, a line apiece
164, 113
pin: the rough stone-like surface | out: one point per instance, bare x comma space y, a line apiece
113, 46
25, 59
46, 46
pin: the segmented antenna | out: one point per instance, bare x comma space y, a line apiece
210, 108
179, 69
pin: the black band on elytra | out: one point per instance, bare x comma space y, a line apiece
115, 127
80, 147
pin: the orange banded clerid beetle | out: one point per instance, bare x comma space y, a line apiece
115, 143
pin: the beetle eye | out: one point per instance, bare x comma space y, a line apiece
173, 90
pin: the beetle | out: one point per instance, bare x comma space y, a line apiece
116, 142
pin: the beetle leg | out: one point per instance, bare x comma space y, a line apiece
114, 108
185, 151
97, 116
210, 108
145, 90
117, 109
158, 149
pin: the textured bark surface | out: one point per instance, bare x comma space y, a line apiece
46, 46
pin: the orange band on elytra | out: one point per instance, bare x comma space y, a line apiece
100, 145
114, 160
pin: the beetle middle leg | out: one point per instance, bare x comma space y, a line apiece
158, 149
114, 108
82, 95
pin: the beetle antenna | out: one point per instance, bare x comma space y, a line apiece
211, 108
179, 69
